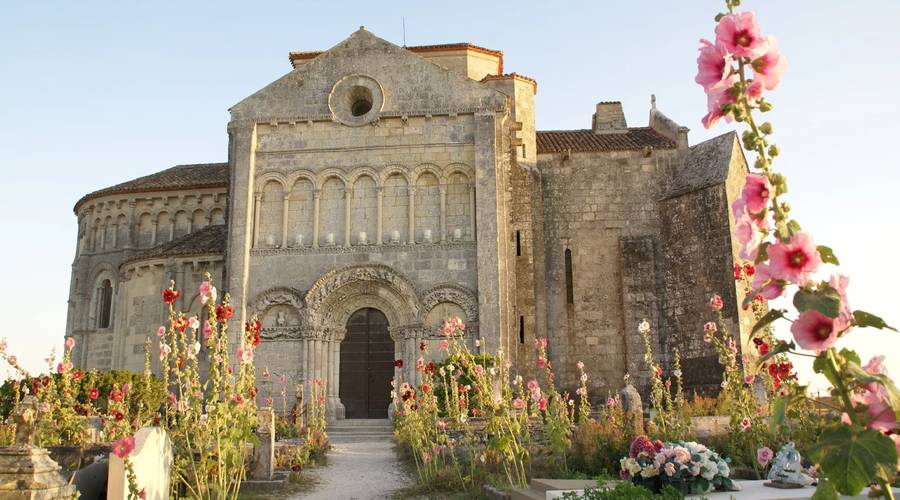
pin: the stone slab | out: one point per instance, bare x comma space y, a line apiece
152, 460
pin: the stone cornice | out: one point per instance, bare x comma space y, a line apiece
448, 245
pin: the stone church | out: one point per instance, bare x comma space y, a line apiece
375, 190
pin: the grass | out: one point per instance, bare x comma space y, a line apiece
297, 483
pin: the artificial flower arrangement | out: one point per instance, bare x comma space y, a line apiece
690, 467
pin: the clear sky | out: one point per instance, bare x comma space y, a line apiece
96, 93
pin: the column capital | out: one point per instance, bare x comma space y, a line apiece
317, 193
257, 196
287, 197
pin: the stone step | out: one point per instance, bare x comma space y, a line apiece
527, 494
363, 422
544, 485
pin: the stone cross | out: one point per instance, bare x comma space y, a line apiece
634, 410
24, 416
264, 454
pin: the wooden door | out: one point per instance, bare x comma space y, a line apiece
367, 355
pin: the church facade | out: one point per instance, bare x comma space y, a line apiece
376, 190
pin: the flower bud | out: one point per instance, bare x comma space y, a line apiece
773, 150
765, 106
766, 128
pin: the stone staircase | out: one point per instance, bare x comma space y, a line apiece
358, 430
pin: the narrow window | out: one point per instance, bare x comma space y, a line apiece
105, 304
518, 244
521, 329
570, 291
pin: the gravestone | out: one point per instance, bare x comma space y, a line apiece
26, 471
152, 461
263, 467
634, 410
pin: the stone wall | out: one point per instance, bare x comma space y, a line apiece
594, 204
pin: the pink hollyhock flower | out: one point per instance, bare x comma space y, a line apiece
764, 455
444, 344
845, 316
239, 399
542, 404
718, 96
160, 331
518, 403
441, 424
748, 379
70, 343
710, 327
754, 91
448, 329
207, 330
713, 64
164, 351
207, 292
875, 366
768, 288
126, 388
194, 323
123, 447
756, 193
745, 424
795, 260
739, 34
715, 303
580, 365
769, 67
533, 385
541, 361
610, 402
881, 413
245, 355
479, 370
581, 391
814, 331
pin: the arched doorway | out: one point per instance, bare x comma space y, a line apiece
367, 355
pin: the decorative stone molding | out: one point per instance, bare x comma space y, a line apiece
368, 248
275, 296
453, 293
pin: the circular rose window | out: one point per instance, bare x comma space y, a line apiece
356, 100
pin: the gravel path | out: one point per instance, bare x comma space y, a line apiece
359, 468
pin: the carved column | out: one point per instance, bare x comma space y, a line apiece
316, 195
284, 219
412, 215
153, 236
102, 236
257, 201
348, 209
380, 222
317, 356
472, 211
171, 228
307, 359
115, 241
443, 190
131, 226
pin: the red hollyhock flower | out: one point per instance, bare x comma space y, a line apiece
94, 393
430, 367
224, 312
749, 269
170, 295
77, 374
116, 396
422, 346
119, 416
426, 388
737, 272
398, 363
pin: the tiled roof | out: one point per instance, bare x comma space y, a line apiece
312, 54
201, 175
706, 164
209, 240
582, 141
512, 76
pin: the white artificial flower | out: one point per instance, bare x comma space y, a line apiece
644, 327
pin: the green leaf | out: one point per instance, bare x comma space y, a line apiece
775, 350
827, 255
850, 355
864, 319
862, 377
827, 301
763, 253
770, 316
851, 457
821, 365
793, 226
778, 409
825, 491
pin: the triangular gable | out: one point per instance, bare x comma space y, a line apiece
412, 85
